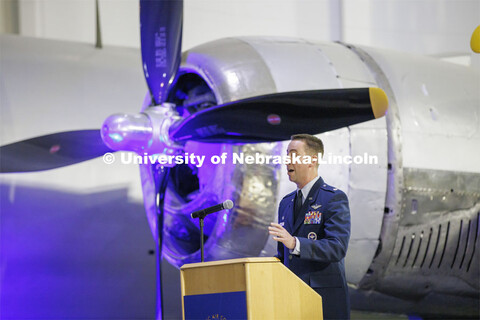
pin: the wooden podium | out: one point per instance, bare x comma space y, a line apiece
248, 288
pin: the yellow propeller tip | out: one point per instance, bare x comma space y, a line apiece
379, 101
475, 40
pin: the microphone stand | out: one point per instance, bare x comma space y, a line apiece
202, 214
201, 236
201, 217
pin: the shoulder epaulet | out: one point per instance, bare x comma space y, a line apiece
328, 187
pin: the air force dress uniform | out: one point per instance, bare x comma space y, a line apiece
322, 227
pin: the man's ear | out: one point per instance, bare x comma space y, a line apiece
314, 161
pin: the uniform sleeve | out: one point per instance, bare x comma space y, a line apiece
280, 246
333, 246
280, 250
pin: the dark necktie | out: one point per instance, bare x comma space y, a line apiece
298, 205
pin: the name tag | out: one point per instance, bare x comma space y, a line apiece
313, 217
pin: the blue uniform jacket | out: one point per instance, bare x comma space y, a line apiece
323, 230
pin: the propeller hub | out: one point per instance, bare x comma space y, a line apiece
162, 118
146, 132
127, 132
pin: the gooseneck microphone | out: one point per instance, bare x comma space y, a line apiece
227, 204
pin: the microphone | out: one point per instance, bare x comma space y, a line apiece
227, 204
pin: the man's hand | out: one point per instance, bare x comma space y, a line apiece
281, 235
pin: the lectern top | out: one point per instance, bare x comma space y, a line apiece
230, 261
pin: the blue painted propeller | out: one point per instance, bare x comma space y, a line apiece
161, 42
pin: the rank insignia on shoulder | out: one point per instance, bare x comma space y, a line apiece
316, 206
313, 217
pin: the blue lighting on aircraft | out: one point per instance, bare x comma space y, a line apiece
115, 137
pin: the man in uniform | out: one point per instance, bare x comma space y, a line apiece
313, 229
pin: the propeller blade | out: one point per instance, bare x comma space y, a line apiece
475, 40
161, 41
276, 117
161, 182
51, 151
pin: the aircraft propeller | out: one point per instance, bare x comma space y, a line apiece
159, 129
